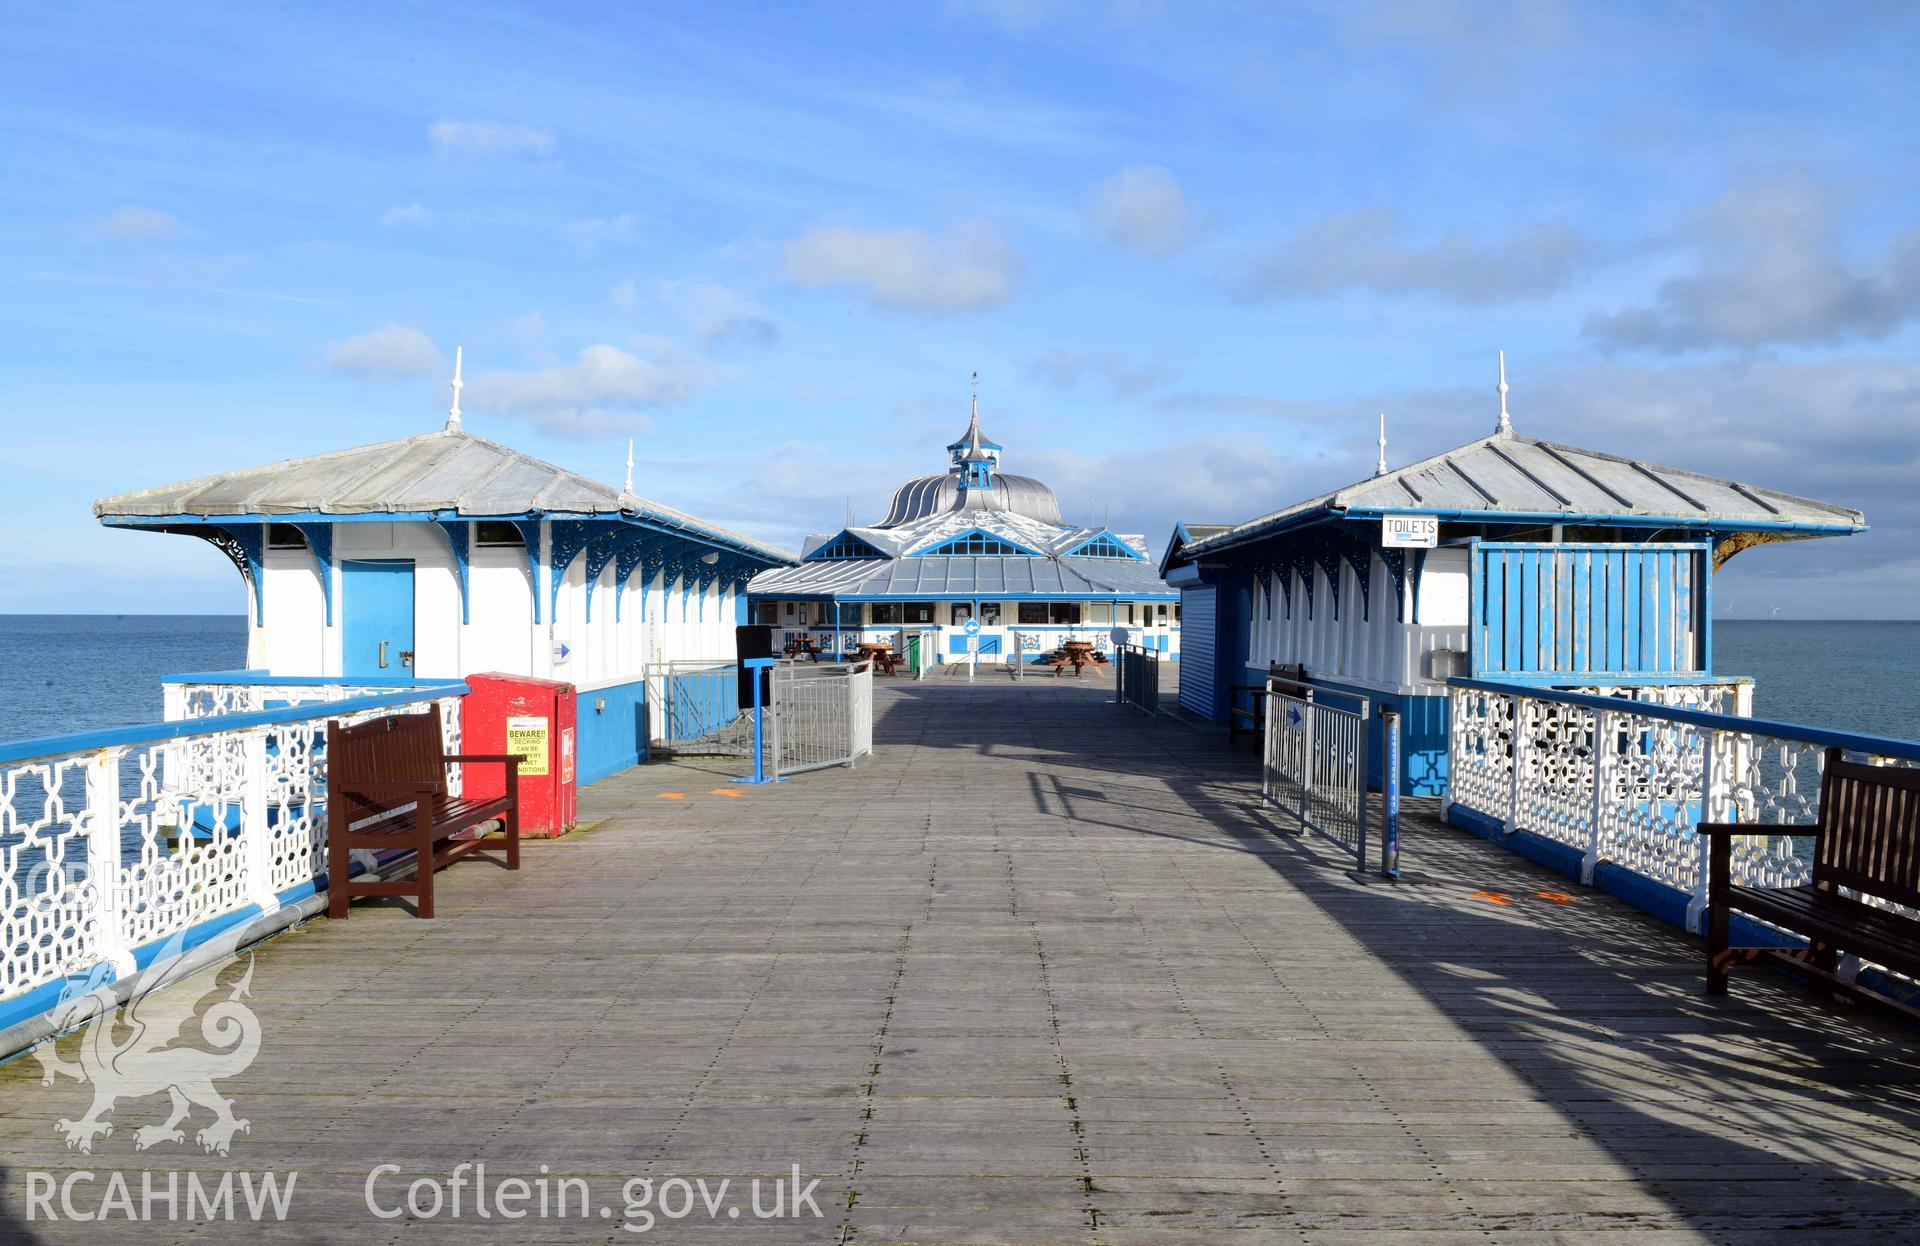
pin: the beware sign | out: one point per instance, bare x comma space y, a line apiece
1409, 531
527, 740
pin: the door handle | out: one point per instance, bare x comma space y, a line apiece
383, 655
406, 658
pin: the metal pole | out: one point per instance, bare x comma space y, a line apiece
1390, 794
754, 668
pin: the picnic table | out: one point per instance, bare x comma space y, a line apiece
881, 654
803, 647
1079, 654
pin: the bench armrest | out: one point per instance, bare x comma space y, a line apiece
511, 760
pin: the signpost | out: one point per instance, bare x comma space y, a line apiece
1409, 531
972, 629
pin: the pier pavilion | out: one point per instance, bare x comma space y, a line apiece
970, 544
1507, 558
445, 554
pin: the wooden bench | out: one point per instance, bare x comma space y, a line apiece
1868, 841
387, 788
1254, 713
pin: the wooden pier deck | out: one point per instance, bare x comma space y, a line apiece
1040, 970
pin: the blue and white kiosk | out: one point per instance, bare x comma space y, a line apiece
446, 554
1508, 558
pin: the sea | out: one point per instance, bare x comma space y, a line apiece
81, 672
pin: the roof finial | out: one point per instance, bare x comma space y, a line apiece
1506, 421
453, 412
1380, 468
629, 487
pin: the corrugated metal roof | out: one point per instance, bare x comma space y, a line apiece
450, 471
1506, 474
961, 577
932, 495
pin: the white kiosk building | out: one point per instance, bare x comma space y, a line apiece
445, 554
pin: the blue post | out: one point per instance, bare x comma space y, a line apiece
754, 667
1390, 793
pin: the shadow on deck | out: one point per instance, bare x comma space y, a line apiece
1040, 970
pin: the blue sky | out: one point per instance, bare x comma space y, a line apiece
1192, 250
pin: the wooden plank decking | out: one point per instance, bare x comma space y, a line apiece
1038, 971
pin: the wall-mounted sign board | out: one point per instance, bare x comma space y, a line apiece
1409, 531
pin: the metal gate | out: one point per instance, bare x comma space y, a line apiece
822, 715
1313, 764
1138, 684
695, 707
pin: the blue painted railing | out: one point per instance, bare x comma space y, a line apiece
1611, 789
123, 844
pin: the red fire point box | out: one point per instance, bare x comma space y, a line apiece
533, 719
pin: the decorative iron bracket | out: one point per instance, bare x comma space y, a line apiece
625, 560
530, 537
602, 550
570, 537
319, 537
458, 531
245, 546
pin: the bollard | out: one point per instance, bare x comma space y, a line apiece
1390, 793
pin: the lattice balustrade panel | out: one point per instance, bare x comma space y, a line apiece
47, 892
181, 858
1656, 770
1556, 773
450, 737
296, 803
1482, 754
1768, 782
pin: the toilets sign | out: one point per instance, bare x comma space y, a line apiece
1409, 531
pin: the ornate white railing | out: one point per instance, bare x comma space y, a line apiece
243, 692
114, 840
1626, 778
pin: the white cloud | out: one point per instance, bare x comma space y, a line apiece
395, 350
604, 391
1772, 272
971, 269
489, 138
719, 316
590, 235
1363, 251
1142, 209
134, 221
403, 217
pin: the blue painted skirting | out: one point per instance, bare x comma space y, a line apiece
615, 739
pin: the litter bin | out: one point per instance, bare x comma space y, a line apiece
533, 718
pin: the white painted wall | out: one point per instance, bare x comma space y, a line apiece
1376, 649
658, 623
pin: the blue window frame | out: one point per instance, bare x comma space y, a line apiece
976, 544
844, 546
1104, 546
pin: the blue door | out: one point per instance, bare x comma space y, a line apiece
377, 636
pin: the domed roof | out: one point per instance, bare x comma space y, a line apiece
932, 495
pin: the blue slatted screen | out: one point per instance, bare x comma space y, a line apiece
1589, 611
1198, 652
